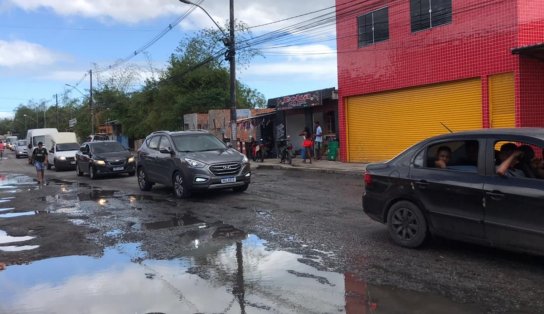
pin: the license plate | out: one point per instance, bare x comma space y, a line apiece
228, 180
72, 162
118, 168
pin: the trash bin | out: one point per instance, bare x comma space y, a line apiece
332, 150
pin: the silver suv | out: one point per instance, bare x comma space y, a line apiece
190, 161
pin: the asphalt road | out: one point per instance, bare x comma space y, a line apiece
315, 215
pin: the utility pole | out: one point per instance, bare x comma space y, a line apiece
91, 101
57, 108
231, 54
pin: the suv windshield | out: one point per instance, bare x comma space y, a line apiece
197, 143
21, 143
106, 147
67, 146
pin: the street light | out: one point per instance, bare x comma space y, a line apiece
27, 116
90, 104
230, 56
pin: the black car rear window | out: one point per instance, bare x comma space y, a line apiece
107, 147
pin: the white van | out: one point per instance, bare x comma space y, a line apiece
62, 154
34, 136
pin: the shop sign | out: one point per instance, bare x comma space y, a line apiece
303, 100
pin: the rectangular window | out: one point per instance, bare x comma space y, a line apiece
429, 13
373, 27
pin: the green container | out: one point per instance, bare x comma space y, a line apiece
332, 150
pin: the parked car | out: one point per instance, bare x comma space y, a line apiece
190, 161
104, 157
21, 149
466, 200
62, 156
98, 137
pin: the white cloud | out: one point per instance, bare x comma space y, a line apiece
313, 65
21, 53
305, 53
125, 11
4, 115
130, 11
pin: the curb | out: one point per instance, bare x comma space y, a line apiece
310, 169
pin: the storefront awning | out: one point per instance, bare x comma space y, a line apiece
532, 51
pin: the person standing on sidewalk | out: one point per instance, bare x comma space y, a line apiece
2, 147
39, 158
306, 151
318, 140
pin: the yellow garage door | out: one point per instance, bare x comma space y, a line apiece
501, 101
379, 126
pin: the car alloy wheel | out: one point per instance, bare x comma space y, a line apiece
406, 224
142, 180
179, 186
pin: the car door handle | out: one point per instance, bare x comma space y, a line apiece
495, 195
422, 184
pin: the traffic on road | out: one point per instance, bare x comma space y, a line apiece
293, 242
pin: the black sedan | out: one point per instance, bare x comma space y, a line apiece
104, 157
483, 186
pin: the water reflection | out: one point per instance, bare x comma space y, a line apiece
5, 238
17, 214
245, 276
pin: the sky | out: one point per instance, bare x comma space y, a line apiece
47, 44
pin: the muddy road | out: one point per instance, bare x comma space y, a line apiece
294, 242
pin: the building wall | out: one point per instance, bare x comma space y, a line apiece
531, 22
476, 44
531, 93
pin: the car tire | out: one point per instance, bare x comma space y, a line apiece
406, 224
92, 172
180, 187
78, 171
55, 165
48, 166
142, 180
240, 189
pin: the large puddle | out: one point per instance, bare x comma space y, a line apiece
221, 270
244, 277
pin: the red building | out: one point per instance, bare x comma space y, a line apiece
409, 69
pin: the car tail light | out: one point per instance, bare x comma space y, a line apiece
368, 179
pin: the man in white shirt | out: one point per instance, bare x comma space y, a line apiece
318, 139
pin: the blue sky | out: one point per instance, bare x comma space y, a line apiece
46, 44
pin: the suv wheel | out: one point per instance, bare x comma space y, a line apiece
142, 180
241, 188
92, 173
406, 224
78, 171
180, 189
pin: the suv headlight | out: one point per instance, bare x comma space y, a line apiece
100, 162
245, 160
195, 163
130, 159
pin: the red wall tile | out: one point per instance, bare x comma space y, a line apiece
477, 43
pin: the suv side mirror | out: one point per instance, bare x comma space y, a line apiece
29, 146
166, 150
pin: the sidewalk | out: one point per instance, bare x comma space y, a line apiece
325, 166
